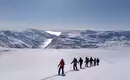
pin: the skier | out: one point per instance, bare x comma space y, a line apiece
86, 61
80, 62
74, 62
95, 61
61, 67
91, 61
98, 61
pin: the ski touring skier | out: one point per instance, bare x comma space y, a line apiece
86, 61
74, 62
80, 62
91, 61
98, 61
95, 61
61, 67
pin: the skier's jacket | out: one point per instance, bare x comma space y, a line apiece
98, 60
91, 60
81, 60
74, 61
62, 63
86, 60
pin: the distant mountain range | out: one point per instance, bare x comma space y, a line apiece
71, 39
26, 39
91, 39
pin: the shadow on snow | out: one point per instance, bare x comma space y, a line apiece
49, 77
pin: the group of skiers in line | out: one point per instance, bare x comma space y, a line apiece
89, 62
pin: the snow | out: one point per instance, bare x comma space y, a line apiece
55, 33
116, 44
2, 49
46, 43
41, 64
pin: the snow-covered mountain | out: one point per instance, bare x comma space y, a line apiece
70, 39
91, 39
30, 38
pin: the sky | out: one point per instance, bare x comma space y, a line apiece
65, 14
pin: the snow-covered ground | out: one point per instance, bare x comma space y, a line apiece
2, 49
41, 64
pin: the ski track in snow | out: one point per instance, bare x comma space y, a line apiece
41, 64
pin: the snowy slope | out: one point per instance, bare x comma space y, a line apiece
90, 39
46, 43
49, 40
41, 64
70, 39
116, 44
30, 38
54, 33
2, 49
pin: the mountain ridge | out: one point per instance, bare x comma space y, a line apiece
69, 39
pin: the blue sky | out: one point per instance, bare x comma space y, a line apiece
65, 14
